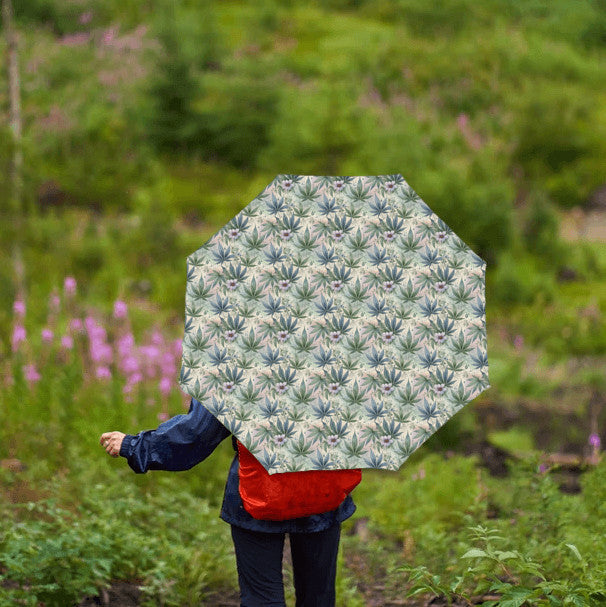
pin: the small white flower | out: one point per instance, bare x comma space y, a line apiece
337, 234
284, 284
232, 283
441, 236
339, 184
283, 335
387, 336
228, 386
281, 387
279, 439
388, 285
440, 286
286, 234
335, 336
439, 389
336, 284
230, 335
234, 233
333, 439
390, 185
334, 388
440, 337
389, 235
386, 440
287, 184
387, 388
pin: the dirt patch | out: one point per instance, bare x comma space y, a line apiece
119, 594
127, 594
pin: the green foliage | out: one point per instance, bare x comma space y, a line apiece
515, 578
116, 532
557, 139
518, 279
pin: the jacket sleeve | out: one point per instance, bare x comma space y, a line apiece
177, 444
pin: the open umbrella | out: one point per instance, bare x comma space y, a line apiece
334, 323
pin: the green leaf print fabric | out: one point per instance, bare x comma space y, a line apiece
334, 323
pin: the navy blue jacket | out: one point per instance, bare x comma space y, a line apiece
185, 440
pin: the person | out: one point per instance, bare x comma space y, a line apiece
187, 439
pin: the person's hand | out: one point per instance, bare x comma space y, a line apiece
112, 441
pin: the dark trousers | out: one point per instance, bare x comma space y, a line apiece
259, 562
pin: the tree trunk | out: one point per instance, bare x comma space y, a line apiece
14, 90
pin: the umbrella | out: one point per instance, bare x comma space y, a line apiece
334, 323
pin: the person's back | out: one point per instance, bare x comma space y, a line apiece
184, 441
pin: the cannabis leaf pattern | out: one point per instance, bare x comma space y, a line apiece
334, 323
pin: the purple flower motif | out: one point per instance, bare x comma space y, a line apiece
339, 184
283, 335
230, 335
439, 389
543, 468
234, 233
76, 324
47, 335
19, 335
286, 234
69, 285
390, 185
441, 236
334, 388
388, 285
440, 286
386, 440
440, 337
518, 342
336, 284
594, 440
389, 235
387, 388
120, 309
387, 336
335, 336
229, 386
338, 234
284, 284
163, 416
332, 440
19, 307
232, 283
279, 439
281, 387
287, 184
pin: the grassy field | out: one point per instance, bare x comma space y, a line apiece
147, 126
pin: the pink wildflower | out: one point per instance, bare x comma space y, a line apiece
69, 285
120, 309
47, 335
19, 335
19, 307
31, 373
67, 342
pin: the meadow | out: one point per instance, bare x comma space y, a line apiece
146, 127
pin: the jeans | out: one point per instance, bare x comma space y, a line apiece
259, 563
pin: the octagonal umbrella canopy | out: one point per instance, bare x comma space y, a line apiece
334, 323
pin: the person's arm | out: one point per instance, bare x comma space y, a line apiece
177, 444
